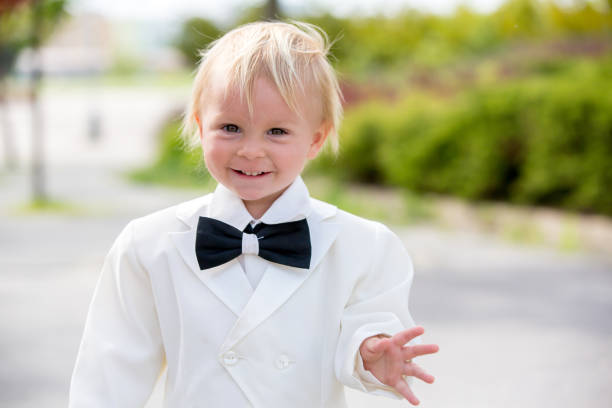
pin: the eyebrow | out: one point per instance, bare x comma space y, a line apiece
229, 115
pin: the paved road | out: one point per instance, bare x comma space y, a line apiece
517, 326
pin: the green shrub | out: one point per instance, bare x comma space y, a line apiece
542, 140
569, 156
469, 148
174, 165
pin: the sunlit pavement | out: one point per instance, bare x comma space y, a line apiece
517, 326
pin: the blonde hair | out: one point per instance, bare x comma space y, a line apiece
292, 55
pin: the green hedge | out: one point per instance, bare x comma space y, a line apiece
174, 165
543, 141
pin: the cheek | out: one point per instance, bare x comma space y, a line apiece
215, 154
294, 159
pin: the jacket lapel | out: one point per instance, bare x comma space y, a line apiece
279, 282
228, 281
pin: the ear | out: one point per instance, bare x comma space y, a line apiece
199, 124
318, 139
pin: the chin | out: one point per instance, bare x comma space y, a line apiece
249, 194
258, 195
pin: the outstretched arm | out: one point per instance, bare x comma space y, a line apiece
389, 359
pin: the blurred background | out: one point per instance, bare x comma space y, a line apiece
479, 131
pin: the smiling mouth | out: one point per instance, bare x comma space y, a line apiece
251, 173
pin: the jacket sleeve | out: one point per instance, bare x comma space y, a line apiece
378, 305
121, 353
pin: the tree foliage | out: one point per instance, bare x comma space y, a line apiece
375, 44
16, 31
196, 33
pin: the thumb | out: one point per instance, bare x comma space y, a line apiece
380, 345
373, 346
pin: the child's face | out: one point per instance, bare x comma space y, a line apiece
258, 156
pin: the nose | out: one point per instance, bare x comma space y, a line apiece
251, 149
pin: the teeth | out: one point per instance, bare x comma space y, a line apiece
251, 174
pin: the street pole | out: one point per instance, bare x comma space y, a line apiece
10, 154
39, 193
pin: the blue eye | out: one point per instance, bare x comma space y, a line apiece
277, 132
231, 128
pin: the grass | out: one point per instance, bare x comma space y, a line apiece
522, 233
49, 206
166, 175
569, 240
387, 205
181, 79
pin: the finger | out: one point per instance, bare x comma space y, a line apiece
410, 352
403, 388
414, 370
405, 336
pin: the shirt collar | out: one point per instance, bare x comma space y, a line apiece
292, 205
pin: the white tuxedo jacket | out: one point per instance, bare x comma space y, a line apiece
291, 342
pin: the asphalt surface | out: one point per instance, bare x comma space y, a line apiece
516, 325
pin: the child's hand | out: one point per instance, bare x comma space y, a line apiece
389, 360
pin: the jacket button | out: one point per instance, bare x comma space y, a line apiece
282, 362
230, 358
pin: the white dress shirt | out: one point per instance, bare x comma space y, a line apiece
292, 205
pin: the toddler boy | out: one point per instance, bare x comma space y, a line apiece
256, 294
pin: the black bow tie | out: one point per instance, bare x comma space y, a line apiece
287, 243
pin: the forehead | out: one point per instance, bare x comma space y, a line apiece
262, 97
